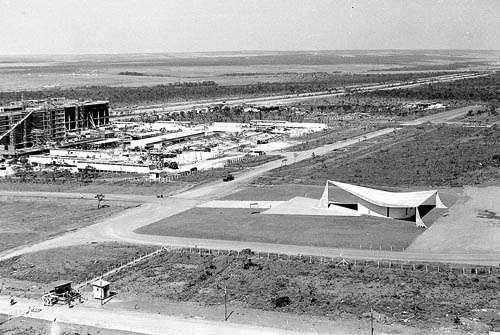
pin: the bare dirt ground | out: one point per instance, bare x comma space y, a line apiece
27, 220
413, 298
322, 297
472, 225
27, 275
132, 321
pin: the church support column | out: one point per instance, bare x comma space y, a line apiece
418, 220
323, 202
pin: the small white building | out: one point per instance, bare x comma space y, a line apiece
100, 289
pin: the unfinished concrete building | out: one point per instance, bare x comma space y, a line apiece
32, 124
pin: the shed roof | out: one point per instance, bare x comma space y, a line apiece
59, 283
385, 198
100, 283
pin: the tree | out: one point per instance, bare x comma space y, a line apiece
88, 174
100, 198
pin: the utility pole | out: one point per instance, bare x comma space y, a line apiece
225, 303
371, 320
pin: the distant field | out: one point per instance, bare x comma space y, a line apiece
240, 68
439, 156
24, 221
249, 225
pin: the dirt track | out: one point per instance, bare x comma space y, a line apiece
147, 323
122, 226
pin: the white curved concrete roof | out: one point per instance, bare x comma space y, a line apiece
384, 198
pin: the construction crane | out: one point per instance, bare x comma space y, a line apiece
17, 124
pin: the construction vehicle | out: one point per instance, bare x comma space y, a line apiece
62, 292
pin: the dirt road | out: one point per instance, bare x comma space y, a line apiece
122, 226
125, 320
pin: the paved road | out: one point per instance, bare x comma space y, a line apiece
125, 320
122, 226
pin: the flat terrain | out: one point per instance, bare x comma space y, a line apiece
431, 156
417, 298
45, 72
322, 231
472, 225
25, 220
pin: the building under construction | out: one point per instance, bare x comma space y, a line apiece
33, 124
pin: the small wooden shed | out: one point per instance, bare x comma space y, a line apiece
100, 288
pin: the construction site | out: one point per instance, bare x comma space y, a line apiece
330, 214
75, 136
30, 126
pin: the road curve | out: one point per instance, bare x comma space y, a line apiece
122, 226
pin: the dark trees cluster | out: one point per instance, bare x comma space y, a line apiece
121, 96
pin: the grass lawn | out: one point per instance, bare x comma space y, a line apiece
24, 221
249, 225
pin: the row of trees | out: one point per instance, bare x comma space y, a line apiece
477, 89
26, 173
120, 96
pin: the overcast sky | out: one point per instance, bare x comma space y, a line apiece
136, 26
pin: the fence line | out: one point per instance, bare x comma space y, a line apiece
332, 261
121, 267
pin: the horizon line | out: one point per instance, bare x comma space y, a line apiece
238, 51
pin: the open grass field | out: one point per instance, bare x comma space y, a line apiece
249, 225
430, 156
27, 275
24, 221
398, 296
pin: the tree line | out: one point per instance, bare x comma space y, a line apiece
477, 89
122, 96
